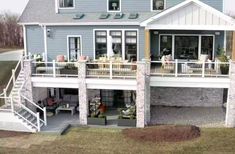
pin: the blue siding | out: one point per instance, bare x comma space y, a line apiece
57, 43
35, 40
217, 4
129, 5
219, 39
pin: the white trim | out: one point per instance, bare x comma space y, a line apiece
25, 40
199, 43
123, 40
151, 6
56, 7
83, 23
185, 3
66, 8
120, 4
190, 27
45, 42
73, 36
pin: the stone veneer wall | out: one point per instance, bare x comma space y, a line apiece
230, 115
188, 97
83, 98
142, 95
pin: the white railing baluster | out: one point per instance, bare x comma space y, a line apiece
203, 69
45, 116
54, 69
38, 122
176, 68
111, 70
12, 105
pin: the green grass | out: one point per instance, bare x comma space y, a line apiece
108, 141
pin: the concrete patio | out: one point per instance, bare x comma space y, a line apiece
199, 116
59, 123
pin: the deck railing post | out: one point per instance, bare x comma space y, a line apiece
176, 68
54, 70
45, 116
38, 122
110, 70
13, 76
12, 105
203, 69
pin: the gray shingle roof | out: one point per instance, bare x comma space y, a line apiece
43, 11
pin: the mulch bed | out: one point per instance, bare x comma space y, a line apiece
167, 133
7, 134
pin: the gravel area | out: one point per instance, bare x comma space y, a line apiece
198, 116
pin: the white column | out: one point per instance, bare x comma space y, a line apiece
45, 41
25, 40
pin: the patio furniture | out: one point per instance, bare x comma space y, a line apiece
167, 64
65, 108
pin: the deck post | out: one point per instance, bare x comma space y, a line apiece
83, 99
38, 122
147, 44
45, 116
110, 69
143, 94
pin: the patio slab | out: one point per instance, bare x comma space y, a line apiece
198, 116
57, 124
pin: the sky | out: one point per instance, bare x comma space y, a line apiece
17, 6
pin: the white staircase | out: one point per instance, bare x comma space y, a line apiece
22, 107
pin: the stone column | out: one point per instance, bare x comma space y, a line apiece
143, 94
83, 101
230, 114
28, 87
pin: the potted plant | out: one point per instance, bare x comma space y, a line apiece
97, 120
224, 68
127, 116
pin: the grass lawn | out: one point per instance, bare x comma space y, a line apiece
100, 140
5, 73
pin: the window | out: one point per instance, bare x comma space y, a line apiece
131, 45
158, 5
116, 42
186, 47
74, 48
207, 46
66, 3
100, 44
114, 5
165, 44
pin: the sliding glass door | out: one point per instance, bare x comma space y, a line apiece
207, 46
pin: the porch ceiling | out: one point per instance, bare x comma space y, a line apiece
190, 15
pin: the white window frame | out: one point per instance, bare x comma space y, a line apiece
77, 36
120, 10
123, 40
65, 8
199, 43
151, 6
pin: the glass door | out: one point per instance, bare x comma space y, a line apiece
74, 48
207, 46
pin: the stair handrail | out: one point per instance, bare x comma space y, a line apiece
13, 76
33, 103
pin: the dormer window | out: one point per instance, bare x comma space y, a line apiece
114, 5
66, 3
158, 5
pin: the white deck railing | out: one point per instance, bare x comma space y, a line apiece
93, 69
111, 70
190, 69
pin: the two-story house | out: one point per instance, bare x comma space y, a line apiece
161, 61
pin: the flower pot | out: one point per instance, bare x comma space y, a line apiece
224, 70
127, 122
96, 121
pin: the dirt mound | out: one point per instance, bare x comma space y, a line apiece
6, 134
163, 133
